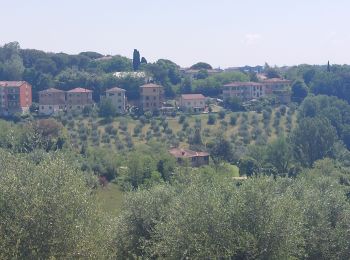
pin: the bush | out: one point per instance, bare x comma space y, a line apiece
211, 119
182, 119
233, 120
222, 114
283, 110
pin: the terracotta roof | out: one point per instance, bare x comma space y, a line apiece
79, 90
11, 83
243, 84
51, 90
115, 89
151, 85
185, 153
192, 96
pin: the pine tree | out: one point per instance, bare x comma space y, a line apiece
328, 67
143, 60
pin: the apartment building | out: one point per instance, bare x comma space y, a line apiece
244, 90
194, 102
78, 98
15, 97
118, 98
276, 84
51, 101
151, 97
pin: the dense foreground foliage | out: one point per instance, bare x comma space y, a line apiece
262, 218
48, 209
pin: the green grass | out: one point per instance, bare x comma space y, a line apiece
111, 199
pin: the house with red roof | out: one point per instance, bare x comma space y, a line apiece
15, 97
192, 102
193, 158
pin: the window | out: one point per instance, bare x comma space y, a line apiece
119, 94
154, 90
147, 97
119, 107
50, 107
154, 98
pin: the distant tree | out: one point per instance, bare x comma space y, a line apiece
186, 86
221, 150
279, 154
201, 65
328, 67
143, 60
248, 166
299, 91
91, 54
136, 60
233, 103
202, 74
272, 73
312, 140
106, 108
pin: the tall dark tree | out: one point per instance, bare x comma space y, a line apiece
136, 60
328, 67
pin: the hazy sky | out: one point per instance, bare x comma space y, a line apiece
223, 32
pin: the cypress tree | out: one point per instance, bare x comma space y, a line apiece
136, 60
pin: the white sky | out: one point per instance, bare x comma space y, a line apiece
223, 32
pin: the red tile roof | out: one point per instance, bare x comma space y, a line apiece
243, 84
192, 96
51, 90
11, 83
79, 90
150, 85
115, 89
185, 153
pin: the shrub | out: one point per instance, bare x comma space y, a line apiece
182, 119
211, 119
233, 120
222, 114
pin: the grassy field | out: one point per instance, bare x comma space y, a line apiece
111, 199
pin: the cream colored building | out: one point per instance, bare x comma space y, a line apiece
195, 102
118, 98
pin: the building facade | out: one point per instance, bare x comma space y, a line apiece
194, 102
244, 90
78, 98
15, 97
151, 97
276, 84
51, 101
193, 158
118, 98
